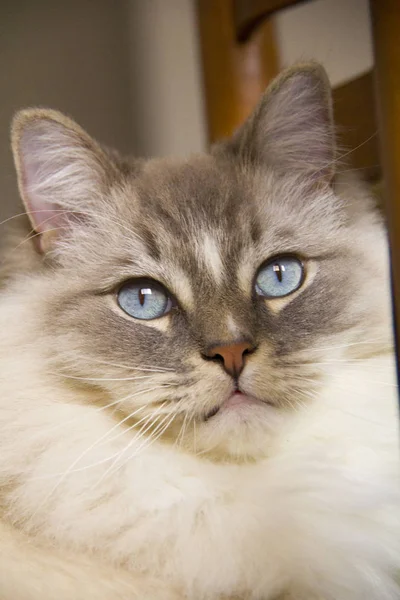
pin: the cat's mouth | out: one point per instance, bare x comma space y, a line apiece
238, 401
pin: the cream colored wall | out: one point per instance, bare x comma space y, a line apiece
71, 55
167, 97
334, 32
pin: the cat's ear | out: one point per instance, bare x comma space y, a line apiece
61, 171
292, 128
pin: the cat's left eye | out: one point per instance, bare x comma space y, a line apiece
144, 299
279, 276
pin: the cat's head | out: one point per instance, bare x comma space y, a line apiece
202, 300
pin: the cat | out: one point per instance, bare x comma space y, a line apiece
198, 395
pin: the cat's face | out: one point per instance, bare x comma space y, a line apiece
202, 300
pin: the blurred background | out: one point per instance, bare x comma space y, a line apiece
158, 77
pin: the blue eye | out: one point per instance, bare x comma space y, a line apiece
279, 277
144, 299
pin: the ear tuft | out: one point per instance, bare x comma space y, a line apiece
292, 128
61, 171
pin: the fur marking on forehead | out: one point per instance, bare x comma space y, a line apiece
210, 255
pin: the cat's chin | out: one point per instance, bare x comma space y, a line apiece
241, 428
240, 404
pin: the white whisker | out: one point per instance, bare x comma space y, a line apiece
339, 158
194, 436
134, 367
147, 425
62, 425
77, 460
136, 378
365, 343
179, 438
150, 441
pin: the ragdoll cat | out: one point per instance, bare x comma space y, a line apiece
197, 396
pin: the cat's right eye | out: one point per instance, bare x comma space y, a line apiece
144, 299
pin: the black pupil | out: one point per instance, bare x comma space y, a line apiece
142, 297
278, 271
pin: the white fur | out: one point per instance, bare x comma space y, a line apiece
232, 326
210, 255
182, 287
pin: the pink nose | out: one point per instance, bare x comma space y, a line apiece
232, 356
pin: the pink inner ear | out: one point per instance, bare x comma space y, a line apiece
60, 174
47, 218
39, 167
